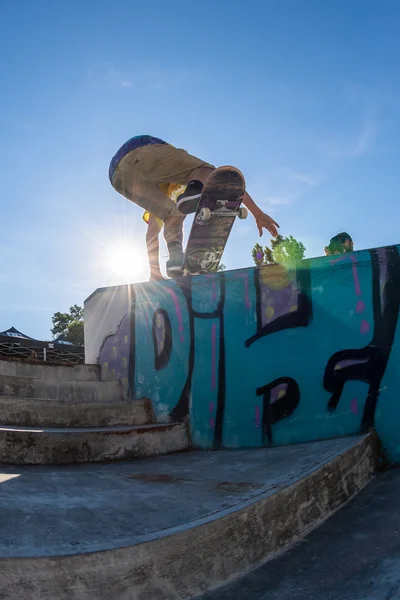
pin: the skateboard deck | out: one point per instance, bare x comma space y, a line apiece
218, 207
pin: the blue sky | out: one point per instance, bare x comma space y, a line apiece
301, 95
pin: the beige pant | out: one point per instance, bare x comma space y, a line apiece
139, 173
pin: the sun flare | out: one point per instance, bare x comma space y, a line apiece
125, 260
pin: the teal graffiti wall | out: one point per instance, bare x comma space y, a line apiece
270, 355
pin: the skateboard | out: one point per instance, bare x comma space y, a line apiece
218, 207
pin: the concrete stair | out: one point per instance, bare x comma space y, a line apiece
48, 371
29, 446
60, 415
62, 390
41, 412
168, 528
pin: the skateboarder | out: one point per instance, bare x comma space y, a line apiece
138, 169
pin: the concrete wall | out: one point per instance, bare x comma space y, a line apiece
259, 356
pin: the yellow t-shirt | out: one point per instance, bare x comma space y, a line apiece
172, 190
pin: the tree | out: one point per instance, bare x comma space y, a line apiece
262, 256
287, 249
282, 250
70, 325
258, 254
221, 267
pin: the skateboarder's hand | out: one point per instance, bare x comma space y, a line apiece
263, 220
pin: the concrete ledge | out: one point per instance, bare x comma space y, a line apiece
38, 412
188, 559
28, 446
45, 371
64, 390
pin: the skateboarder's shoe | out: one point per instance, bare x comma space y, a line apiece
188, 201
175, 262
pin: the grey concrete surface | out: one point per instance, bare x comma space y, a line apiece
44, 511
63, 390
55, 446
104, 310
192, 521
39, 412
355, 555
88, 372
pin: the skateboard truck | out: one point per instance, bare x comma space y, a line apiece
221, 211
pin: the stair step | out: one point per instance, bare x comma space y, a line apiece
45, 446
45, 371
39, 412
177, 526
66, 390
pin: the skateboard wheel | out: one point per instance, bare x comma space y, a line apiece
205, 214
243, 213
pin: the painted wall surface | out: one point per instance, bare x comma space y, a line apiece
103, 312
269, 355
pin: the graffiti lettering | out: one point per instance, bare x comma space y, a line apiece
265, 355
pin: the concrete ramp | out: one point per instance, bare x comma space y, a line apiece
171, 527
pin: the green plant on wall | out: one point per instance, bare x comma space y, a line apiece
283, 249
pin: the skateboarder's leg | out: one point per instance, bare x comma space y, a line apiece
175, 165
167, 164
188, 201
178, 166
202, 173
137, 177
133, 179
153, 247
173, 230
173, 235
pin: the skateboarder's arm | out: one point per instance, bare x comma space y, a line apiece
262, 219
153, 248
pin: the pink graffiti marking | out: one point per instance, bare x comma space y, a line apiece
258, 416
212, 423
357, 286
213, 356
338, 260
211, 407
360, 306
364, 327
178, 313
245, 278
354, 406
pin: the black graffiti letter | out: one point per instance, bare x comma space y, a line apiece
281, 398
162, 338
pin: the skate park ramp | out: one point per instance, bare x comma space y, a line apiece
168, 527
250, 406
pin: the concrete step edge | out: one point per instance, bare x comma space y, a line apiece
152, 427
54, 381
207, 553
32, 400
42, 413
43, 370
60, 446
59, 388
